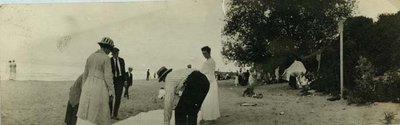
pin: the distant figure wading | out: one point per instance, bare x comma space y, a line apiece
13, 70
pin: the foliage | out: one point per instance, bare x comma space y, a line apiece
389, 116
328, 81
365, 88
258, 30
371, 88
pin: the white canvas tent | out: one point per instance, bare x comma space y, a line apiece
298, 70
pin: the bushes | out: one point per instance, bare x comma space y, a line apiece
364, 90
371, 88
388, 87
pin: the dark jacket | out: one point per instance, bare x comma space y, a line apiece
129, 78
114, 71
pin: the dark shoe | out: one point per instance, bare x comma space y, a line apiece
334, 98
115, 118
208, 122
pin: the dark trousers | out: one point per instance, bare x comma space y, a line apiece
126, 93
293, 82
118, 88
70, 115
196, 89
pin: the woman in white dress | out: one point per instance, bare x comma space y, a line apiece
252, 77
236, 79
97, 87
210, 106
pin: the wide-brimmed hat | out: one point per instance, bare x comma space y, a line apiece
108, 42
162, 73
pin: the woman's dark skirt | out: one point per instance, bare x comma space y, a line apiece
70, 116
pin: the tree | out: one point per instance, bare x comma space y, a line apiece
376, 41
387, 55
360, 40
259, 31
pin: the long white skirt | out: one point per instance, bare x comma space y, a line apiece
210, 106
84, 122
236, 80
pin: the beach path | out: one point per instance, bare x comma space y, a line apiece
44, 103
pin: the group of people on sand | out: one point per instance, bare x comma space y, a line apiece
95, 97
250, 77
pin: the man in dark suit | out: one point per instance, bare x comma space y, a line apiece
118, 70
129, 81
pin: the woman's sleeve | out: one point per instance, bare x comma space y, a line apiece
108, 77
85, 72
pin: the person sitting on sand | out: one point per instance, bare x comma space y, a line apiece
73, 102
195, 86
248, 92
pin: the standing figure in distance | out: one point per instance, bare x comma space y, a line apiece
148, 75
129, 81
14, 67
11, 70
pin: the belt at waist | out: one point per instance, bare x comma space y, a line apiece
98, 77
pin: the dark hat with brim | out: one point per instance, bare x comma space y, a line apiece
162, 73
115, 49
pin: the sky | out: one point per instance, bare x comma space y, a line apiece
57, 38
373, 8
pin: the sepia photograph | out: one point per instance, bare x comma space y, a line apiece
200, 62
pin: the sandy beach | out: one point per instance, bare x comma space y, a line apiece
44, 103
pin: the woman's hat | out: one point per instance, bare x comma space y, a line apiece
162, 73
107, 41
